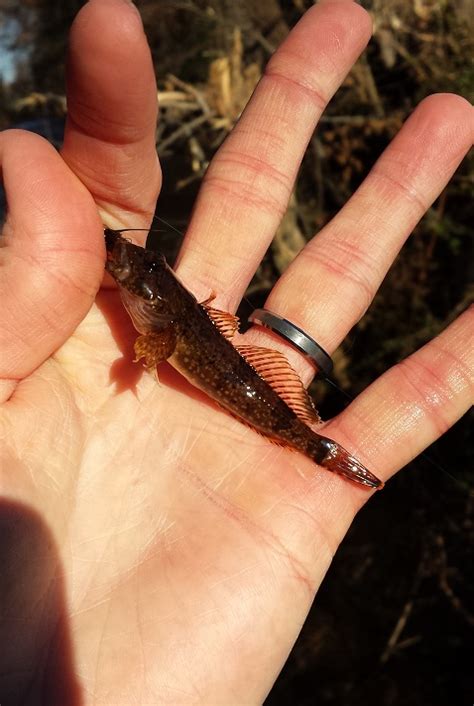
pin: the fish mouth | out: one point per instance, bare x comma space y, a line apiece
340, 461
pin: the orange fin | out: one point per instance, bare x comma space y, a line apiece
228, 324
155, 347
274, 368
210, 299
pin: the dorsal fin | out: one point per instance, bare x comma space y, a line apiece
228, 324
274, 368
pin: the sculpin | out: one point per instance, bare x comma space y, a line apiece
257, 385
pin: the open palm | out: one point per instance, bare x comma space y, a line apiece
156, 550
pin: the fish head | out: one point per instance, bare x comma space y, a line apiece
144, 281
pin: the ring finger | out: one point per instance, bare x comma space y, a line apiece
331, 283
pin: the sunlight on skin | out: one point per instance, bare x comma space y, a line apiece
192, 548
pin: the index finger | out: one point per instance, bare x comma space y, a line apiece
112, 110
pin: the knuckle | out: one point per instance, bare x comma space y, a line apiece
349, 266
252, 181
404, 187
285, 74
432, 386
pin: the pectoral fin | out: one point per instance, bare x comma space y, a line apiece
155, 347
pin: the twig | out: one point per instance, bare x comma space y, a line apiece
392, 643
185, 130
200, 99
371, 87
166, 98
268, 46
446, 588
421, 73
351, 119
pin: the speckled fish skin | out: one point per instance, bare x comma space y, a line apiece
163, 311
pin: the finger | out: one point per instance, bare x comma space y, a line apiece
413, 403
247, 187
331, 283
389, 424
52, 254
112, 110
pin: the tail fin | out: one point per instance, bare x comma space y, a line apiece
330, 455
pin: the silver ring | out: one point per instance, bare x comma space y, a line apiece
294, 335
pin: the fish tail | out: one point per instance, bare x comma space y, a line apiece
330, 455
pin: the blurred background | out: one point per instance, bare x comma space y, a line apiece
394, 619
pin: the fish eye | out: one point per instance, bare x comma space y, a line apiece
146, 292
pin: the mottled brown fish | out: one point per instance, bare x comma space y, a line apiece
255, 384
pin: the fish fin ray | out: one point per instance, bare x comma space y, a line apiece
155, 347
274, 368
228, 324
210, 299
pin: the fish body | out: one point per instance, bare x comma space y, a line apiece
254, 384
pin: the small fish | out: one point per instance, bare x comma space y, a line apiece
256, 385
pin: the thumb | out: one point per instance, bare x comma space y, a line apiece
52, 258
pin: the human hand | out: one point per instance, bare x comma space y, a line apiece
156, 549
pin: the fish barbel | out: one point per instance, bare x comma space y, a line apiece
257, 385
